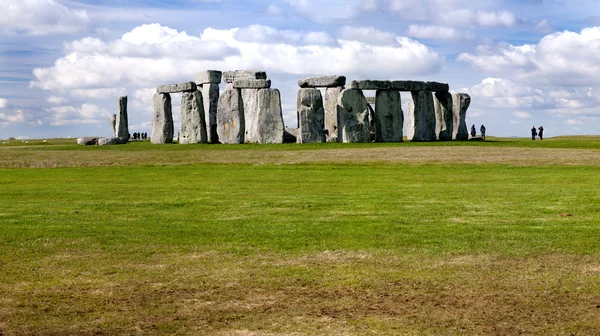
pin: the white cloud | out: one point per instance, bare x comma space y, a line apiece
270, 35
40, 17
574, 122
559, 59
437, 33
275, 10
69, 115
3, 103
98, 93
332, 10
543, 27
54, 100
367, 35
495, 19
522, 115
14, 117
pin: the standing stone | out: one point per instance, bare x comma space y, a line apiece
230, 118
251, 111
122, 126
353, 116
162, 123
311, 116
331, 101
444, 118
421, 117
113, 124
210, 94
269, 128
193, 124
389, 118
460, 104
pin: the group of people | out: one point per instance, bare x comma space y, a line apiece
539, 132
139, 136
474, 132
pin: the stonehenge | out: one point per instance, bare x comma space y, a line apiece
249, 111
121, 123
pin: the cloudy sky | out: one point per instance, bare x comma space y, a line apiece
524, 62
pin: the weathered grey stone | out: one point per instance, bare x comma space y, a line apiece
444, 118
113, 124
122, 125
353, 117
332, 138
230, 117
460, 104
371, 122
111, 141
193, 124
389, 118
398, 85
208, 77
269, 126
311, 116
162, 123
322, 82
331, 101
421, 117
252, 84
210, 94
231, 76
174, 88
371, 100
251, 111
87, 141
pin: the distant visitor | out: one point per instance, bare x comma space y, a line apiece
541, 132
482, 130
533, 133
473, 131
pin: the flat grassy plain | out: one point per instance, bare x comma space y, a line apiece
498, 238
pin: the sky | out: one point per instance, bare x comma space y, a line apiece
524, 62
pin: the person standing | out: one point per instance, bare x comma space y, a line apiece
482, 130
533, 133
541, 132
473, 131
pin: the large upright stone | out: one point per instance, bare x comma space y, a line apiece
389, 118
269, 128
322, 82
231, 76
421, 117
208, 77
122, 125
444, 118
162, 123
331, 101
460, 104
113, 124
353, 116
210, 94
311, 116
251, 111
230, 118
193, 125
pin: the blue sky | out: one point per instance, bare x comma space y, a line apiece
524, 63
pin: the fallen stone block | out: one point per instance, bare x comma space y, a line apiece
232, 76
460, 104
122, 124
421, 117
230, 118
193, 124
162, 122
311, 116
252, 84
389, 118
87, 141
322, 82
175, 88
111, 141
208, 77
353, 117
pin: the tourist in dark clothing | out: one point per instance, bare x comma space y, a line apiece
473, 131
533, 133
541, 132
482, 130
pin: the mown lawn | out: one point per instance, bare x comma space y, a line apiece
311, 248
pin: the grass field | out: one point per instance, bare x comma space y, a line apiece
472, 238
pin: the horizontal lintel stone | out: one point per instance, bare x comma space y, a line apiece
232, 76
252, 84
208, 77
399, 85
174, 88
322, 82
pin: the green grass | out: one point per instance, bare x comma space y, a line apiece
328, 248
